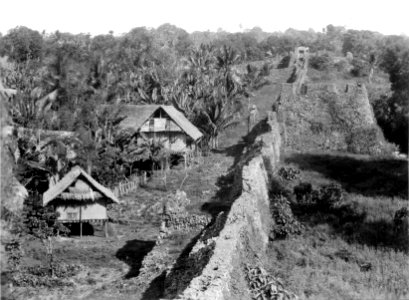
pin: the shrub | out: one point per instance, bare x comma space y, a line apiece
284, 62
14, 254
359, 68
317, 127
401, 228
265, 286
328, 196
369, 140
342, 65
289, 173
320, 62
265, 70
41, 222
38, 276
303, 192
285, 222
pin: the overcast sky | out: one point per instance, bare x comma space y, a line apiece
99, 17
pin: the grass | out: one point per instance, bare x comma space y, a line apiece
115, 263
332, 259
359, 174
321, 265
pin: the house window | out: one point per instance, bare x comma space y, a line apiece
72, 215
173, 137
151, 124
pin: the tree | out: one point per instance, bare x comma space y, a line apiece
393, 113
22, 44
173, 38
214, 88
41, 222
31, 103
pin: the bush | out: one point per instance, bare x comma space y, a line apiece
369, 140
401, 228
265, 286
342, 65
14, 254
284, 62
265, 70
303, 192
320, 62
359, 68
38, 276
317, 127
328, 196
285, 222
289, 173
41, 221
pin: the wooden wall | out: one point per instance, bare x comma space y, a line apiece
92, 211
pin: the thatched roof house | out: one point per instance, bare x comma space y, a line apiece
163, 123
79, 198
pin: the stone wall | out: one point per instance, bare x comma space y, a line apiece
323, 117
216, 261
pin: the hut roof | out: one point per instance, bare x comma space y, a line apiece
137, 115
60, 187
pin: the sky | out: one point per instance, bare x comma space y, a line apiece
99, 17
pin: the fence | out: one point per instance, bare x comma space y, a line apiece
129, 185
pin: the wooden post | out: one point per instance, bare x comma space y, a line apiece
80, 222
106, 228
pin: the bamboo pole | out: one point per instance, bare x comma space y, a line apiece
80, 222
106, 228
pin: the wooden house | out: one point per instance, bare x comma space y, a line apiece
79, 198
162, 123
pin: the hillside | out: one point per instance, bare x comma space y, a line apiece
235, 216
330, 107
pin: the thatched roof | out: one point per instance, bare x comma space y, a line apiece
183, 122
137, 115
68, 188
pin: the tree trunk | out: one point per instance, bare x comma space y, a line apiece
370, 75
89, 167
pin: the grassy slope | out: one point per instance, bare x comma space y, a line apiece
323, 118
323, 263
327, 261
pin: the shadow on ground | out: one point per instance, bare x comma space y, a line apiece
186, 267
227, 191
189, 265
236, 151
133, 253
352, 225
368, 177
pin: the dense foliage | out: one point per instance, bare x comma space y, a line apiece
62, 79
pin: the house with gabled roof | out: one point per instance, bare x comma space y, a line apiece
78, 198
162, 123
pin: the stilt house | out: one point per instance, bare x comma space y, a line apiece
164, 124
79, 198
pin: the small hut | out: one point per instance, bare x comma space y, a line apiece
79, 198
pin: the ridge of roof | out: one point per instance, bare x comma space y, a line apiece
68, 179
137, 115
